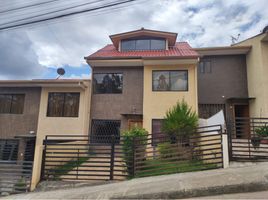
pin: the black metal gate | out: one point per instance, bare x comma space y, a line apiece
247, 140
75, 158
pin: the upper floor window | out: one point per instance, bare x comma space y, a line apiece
205, 66
107, 83
63, 104
173, 80
143, 44
12, 103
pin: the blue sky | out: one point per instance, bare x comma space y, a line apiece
70, 72
37, 51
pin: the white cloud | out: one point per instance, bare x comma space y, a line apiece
201, 23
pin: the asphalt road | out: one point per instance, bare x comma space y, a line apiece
251, 195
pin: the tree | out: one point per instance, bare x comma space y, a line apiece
180, 122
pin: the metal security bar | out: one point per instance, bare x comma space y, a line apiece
244, 141
15, 176
75, 158
201, 151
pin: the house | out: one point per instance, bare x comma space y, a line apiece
222, 81
137, 78
257, 69
19, 110
31, 110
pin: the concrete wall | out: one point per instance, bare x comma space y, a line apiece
257, 68
111, 106
21, 124
156, 104
59, 125
228, 78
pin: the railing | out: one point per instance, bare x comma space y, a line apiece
75, 158
244, 142
15, 176
201, 151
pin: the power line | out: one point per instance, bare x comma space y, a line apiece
27, 6
75, 17
67, 14
51, 12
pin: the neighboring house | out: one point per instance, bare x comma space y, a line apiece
222, 81
64, 110
30, 110
257, 70
138, 78
19, 110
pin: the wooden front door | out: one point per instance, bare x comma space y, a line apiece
134, 123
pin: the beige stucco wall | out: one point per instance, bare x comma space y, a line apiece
59, 125
156, 104
257, 68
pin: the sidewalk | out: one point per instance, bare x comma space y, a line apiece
212, 182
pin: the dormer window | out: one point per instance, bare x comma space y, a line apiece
143, 44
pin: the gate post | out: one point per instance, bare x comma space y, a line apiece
225, 150
133, 156
112, 157
43, 159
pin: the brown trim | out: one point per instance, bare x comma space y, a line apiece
141, 57
142, 29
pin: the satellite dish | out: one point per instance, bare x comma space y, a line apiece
60, 71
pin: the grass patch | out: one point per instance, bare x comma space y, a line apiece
156, 167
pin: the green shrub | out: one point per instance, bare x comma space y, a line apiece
262, 131
137, 136
180, 122
165, 150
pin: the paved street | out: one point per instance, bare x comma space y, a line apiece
194, 184
251, 195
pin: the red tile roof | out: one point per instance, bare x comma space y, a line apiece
180, 50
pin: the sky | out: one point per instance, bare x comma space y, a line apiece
36, 51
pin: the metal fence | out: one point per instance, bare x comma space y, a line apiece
244, 141
75, 158
15, 176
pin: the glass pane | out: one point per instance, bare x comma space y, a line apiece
55, 105
202, 67
107, 83
5, 103
158, 44
127, 45
142, 44
208, 67
17, 103
71, 105
161, 80
179, 80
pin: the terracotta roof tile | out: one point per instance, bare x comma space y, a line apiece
181, 49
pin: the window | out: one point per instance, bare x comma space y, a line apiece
63, 104
12, 103
107, 83
102, 130
170, 80
157, 134
9, 149
143, 44
205, 67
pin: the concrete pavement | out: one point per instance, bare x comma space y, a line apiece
185, 185
248, 195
